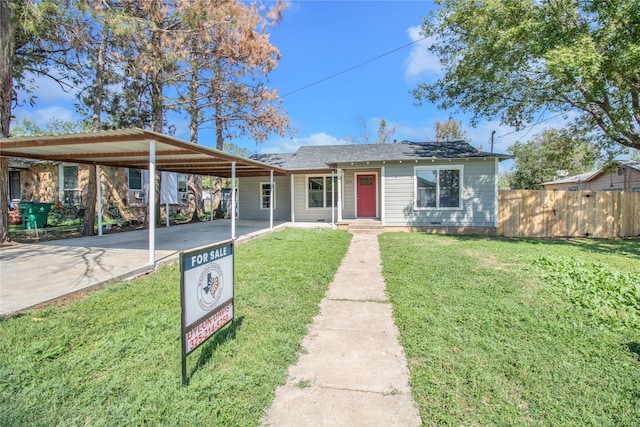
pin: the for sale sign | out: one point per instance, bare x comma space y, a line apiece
207, 294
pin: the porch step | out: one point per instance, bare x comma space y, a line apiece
365, 227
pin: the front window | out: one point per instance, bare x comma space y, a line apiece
266, 195
438, 188
320, 191
14, 184
182, 183
183, 195
135, 179
70, 175
70, 194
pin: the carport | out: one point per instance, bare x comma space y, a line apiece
139, 149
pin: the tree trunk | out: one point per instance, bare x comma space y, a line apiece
194, 182
194, 187
7, 47
157, 119
89, 220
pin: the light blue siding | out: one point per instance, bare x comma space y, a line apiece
302, 212
249, 199
478, 197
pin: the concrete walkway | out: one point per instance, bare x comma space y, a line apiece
35, 273
353, 371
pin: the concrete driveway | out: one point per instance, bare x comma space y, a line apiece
34, 273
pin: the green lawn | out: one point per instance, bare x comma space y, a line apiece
518, 332
114, 358
497, 332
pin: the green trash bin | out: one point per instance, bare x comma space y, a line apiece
34, 215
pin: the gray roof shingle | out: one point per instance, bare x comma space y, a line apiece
319, 156
588, 176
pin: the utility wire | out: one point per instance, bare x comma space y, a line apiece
500, 138
352, 68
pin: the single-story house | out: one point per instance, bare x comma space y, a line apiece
444, 186
624, 177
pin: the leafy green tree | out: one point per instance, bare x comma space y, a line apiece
549, 154
514, 59
26, 127
25, 26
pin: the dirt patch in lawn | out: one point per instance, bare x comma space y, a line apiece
487, 259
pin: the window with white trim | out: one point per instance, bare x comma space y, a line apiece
266, 195
320, 191
70, 177
438, 187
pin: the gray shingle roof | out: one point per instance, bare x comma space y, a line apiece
588, 176
319, 156
583, 177
633, 164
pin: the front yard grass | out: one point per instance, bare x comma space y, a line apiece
114, 358
496, 332
518, 332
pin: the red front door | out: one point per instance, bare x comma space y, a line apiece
366, 190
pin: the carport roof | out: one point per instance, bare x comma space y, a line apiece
130, 149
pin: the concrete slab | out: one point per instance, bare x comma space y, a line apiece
322, 407
352, 360
35, 273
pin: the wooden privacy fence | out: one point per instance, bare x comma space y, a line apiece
549, 213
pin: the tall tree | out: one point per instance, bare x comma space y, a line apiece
154, 46
86, 31
7, 47
97, 51
24, 25
384, 133
230, 63
227, 60
450, 130
548, 155
516, 58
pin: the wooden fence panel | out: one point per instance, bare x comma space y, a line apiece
550, 213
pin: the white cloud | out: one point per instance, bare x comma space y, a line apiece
420, 61
42, 117
291, 145
47, 91
408, 132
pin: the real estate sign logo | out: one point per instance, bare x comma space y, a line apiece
210, 286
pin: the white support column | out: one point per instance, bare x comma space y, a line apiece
382, 194
99, 198
339, 195
166, 198
496, 206
333, 198
293, 198
271, 200
233, 201
151, 203
211, 197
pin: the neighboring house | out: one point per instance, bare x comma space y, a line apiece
625, 177
438, 186
124, 190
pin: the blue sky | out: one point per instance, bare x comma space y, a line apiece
320, 38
